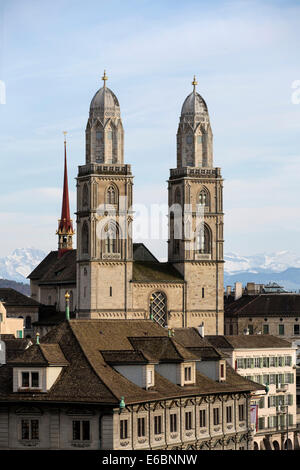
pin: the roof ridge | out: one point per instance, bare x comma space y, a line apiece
91, 365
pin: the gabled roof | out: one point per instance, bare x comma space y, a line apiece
42, 355
198, 346
54, 270
164, 349
249, 341
12, 298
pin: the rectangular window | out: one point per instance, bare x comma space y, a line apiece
281, 329
265, 329
35, 379
250, 328
265, 362
157, 424
272, 361
296, 329
202, 420
187, 374
30, 379
81, 430
288, 360
30, 429
188, 420
202, 292
149, 377
173, 422
216, 414
141, 423
110, 291
228, 414
241, 412
257, 362
123, 428
261, 403
261, 423
25, 379
222, 371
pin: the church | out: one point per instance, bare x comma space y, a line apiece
110, 277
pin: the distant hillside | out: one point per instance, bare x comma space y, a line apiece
19, 286
288, 279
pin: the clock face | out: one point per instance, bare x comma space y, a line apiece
98, 135
199, 139
189, 139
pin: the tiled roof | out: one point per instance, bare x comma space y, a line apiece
147, 271
41, 354
193, 341
89, 378
56, 270
14, 346
12, 298
164, 349
249, 341
264, 305
146, 268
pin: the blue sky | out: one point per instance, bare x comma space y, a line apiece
245, 55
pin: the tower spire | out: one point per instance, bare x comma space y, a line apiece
65, 230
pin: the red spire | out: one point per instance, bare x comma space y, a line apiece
65, 226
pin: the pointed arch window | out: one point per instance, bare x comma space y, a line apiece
85, 195
204, 199
111, 238
177, 196
85, 239
111, 195
203, 241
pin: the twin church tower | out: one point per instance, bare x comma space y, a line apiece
116, 278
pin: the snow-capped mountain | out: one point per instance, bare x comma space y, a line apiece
20, 263
260, 263
282, 267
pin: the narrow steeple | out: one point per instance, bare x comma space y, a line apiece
65, 230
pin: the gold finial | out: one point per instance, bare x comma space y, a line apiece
65, 133
104, 78
67, 296
194, 83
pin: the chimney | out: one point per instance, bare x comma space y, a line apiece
228, 291
2, 353
201, 329
238, 290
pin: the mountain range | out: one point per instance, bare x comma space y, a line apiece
282, 267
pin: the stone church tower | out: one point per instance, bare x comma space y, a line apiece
196, 217
104, 198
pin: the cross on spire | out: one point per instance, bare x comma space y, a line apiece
104, 78
194, 83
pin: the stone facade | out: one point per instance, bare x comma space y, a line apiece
106, 286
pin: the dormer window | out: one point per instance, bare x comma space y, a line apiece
222, 371
30, 379
188, 374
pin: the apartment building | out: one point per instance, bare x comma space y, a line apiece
270, 361
123, 384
